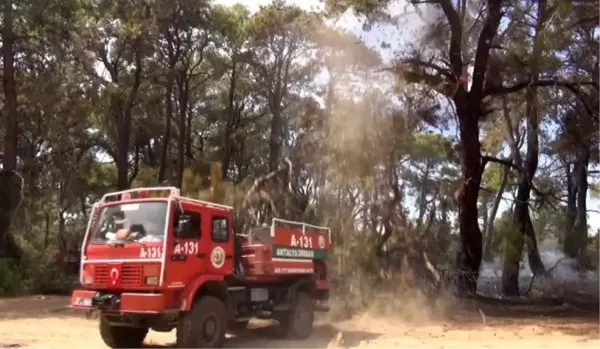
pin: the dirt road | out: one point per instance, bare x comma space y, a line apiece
36, 322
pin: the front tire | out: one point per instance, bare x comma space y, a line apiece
298, 322
121, 336
204, 326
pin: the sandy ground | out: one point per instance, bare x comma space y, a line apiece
44, 322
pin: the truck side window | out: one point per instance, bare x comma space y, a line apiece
196, 220
220, 229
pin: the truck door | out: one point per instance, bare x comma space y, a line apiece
186, 255
220, 249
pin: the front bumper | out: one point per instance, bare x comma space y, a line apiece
144, 303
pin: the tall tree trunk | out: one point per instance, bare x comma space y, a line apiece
469, 255
182, 123
580, 228
422, 199
489, 231
83, 208
123, 155
63, 244
188, 136
227, 135
468, 103
485, 213
9, 160
167, 131
276, 96
46, 231
124, 119
276, 139
149, 153
571, 210
521, 216
11, 183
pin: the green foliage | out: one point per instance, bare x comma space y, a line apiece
374, 10
430, 147
35, 274
495, 137
492, 177
11, 280
233, 23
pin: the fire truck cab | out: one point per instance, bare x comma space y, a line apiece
151, 259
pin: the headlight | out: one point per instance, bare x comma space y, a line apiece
151, 280
88, 275
151, 272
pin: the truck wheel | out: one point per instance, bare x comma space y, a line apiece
298, 323
121, 336
204, 326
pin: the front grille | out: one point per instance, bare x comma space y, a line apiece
131, 275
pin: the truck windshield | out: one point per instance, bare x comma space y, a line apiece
133, 222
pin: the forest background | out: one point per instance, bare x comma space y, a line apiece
443, 141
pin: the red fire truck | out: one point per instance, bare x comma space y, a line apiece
152, 259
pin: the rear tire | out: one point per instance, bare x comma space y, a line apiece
204, 326
298, 322
121, 336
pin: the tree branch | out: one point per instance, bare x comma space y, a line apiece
499, 90
508, 163
435, 82
483, 47
420, 63
260, 181
548, 272
455, 38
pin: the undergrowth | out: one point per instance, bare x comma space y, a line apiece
33, 275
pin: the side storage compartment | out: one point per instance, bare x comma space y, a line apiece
285, 248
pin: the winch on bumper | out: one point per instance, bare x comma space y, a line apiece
147, 303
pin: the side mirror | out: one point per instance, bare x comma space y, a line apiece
184, 227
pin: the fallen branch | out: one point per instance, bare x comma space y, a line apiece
263, 179
264, 195
436, 274
483, 319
